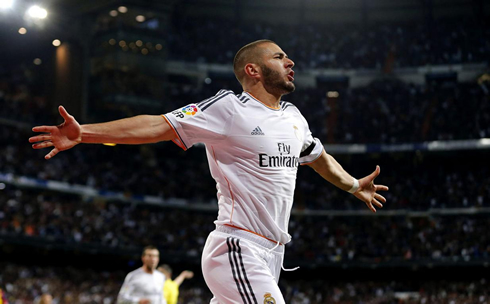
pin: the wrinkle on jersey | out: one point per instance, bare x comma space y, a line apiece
253, 155
228, 184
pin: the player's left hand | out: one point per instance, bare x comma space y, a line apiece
367, 191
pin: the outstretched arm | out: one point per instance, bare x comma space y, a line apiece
140, 129
186, 274
333, 172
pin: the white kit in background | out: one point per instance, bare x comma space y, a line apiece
139, 284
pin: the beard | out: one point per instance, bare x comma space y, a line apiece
274, 82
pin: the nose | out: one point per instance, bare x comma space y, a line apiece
289, 63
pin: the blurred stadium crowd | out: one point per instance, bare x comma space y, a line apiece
339, 47
71, 285
385, 111
462, 184
60, 219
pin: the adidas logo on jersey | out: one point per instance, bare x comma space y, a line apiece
257, 131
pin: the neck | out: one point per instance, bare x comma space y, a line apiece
269, 99
147, 269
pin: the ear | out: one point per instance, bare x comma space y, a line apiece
252, 70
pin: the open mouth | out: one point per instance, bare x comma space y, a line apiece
291, 76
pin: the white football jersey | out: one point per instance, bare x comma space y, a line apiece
253, 152
139, 284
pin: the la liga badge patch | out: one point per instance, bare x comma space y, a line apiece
190, 110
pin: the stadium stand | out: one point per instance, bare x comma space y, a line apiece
428, 245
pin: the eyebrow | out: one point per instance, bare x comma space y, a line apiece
280, 53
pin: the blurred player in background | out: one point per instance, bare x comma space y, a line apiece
46, 298
171, 287
145, 284
3, 297
254, 143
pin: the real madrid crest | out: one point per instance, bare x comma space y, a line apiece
268, 299
297, 133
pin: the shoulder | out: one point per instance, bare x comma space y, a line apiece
160, 274
133, 273
289, 107
292, 110
221, 99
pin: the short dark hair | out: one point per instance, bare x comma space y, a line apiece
149, 247
167, 268
245, 55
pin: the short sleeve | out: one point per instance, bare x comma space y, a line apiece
204, 122
312, 147
125, 294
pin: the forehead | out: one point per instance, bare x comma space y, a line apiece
152, 252
269, 49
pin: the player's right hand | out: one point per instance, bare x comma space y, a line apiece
62, 137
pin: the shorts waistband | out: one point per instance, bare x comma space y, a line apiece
248, 235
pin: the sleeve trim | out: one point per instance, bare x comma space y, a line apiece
310, 162
178, 140
308, 150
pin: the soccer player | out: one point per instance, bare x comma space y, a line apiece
145, 284
254, 143
171, 287
46, 298
3, 297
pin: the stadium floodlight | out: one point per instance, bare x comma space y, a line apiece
6, 4
37, 12
56, 42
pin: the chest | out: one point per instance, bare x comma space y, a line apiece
277, 134
148, 285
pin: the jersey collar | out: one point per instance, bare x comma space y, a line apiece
254, 98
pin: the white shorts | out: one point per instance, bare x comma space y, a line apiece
241, 267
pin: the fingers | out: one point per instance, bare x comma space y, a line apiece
64, 113
43, 145
376, 172
38, 138
44, 129
371, 207
379, 197
381, 188
51, 154
377, 203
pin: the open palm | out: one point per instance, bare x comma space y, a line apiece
62, 137
367, 191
